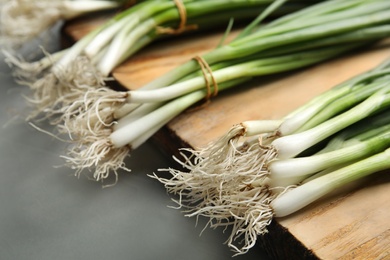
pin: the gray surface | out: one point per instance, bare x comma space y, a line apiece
47, 213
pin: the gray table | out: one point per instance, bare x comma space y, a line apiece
47, 213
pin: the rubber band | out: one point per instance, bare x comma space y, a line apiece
207, 70
183, 26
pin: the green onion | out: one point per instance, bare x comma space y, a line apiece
123, 135
305, 194
292, 145
290, 171
282, 45
256, 172
88, 63
23, 20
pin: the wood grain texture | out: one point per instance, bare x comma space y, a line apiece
352, 225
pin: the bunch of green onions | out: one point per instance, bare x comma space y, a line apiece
59, 79
272, 168
23, 20
107, 125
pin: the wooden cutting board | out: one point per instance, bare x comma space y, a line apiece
351, 225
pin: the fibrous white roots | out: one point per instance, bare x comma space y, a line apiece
93, 113
89, 122
55, 88
22, 20
96, 154
227, 187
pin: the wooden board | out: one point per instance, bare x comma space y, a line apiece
352, 225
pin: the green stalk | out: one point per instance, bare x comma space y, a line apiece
319, 109
363, 35
255, 23
291, 145
320, 20
313, 190
239, 49
362, 130
299, 168
319, 9
304, 113
354, 143
164, 15
243, 48
344, 102
259, 67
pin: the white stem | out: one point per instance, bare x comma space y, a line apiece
95, 59
299, 117
75, 51
299, 197
303, 166
148, 134
122, 42
127, 134
255, 127
283, 182
125, 109
73, 9
104, 37
181, 88
141, 111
